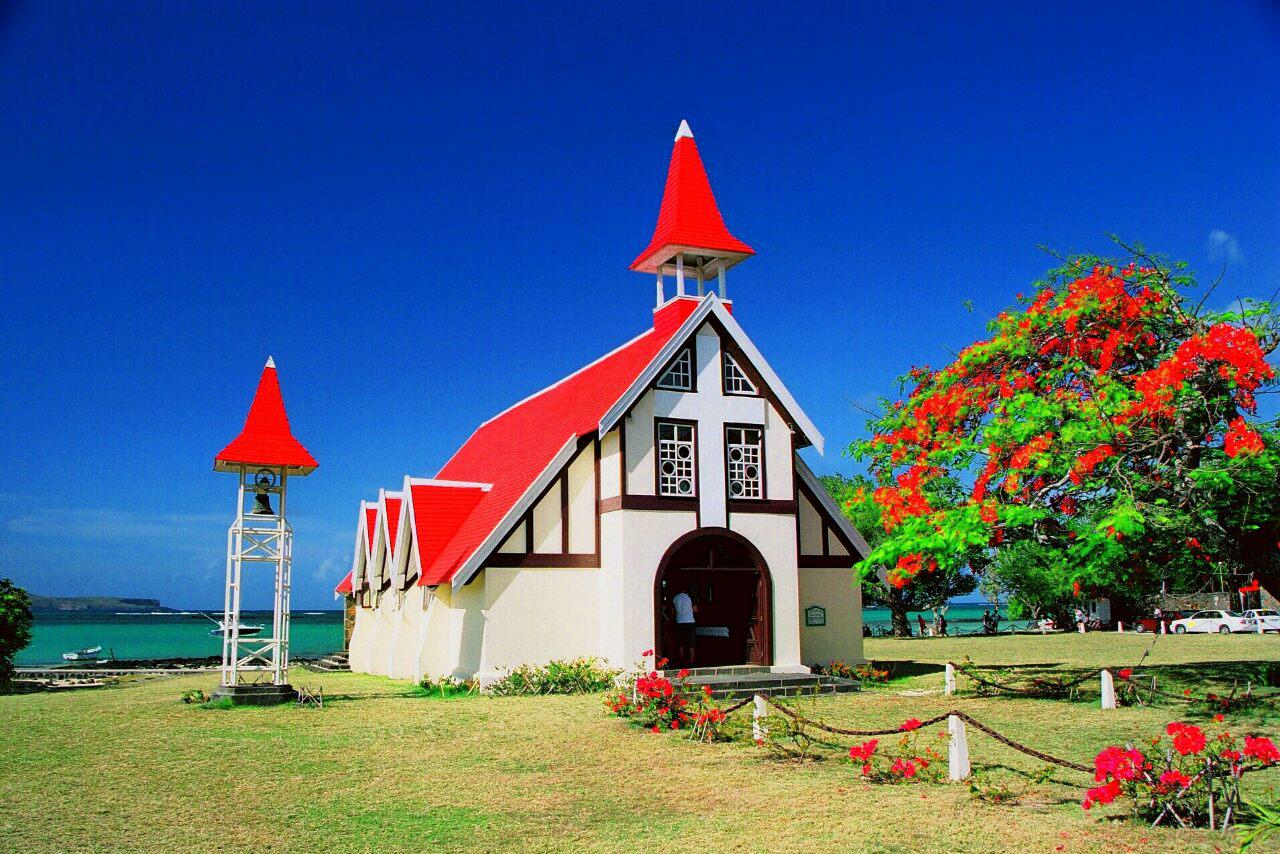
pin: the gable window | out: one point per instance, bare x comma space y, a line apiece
679, 374
676, 447
735, 379
744, 456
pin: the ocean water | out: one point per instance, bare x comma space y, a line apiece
312, 633
143, 636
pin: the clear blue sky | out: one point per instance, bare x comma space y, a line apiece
426, 212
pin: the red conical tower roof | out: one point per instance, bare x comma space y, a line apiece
266, 439
689, 220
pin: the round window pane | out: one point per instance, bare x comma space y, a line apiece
686, 486
752, 472
683, 452
668, 467
735, 454
735, 486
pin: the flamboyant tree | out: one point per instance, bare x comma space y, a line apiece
1109, 418
930, 593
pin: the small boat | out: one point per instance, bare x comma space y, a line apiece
245, 631
90, 654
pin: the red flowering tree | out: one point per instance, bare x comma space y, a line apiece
1109, 420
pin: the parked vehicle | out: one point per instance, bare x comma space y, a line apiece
1224, 622
1151, 624
1270, 619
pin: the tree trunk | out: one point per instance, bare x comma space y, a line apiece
898, 613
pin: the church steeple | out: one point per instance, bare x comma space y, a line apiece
690, 238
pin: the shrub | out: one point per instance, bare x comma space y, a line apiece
15, 627
658, 704
579, 676
866, 672
194, 696
1186, 777
449, 686
913, 759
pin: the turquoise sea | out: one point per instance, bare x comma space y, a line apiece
313, 633
143, 636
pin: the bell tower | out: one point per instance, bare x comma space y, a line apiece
255, 669
690, 239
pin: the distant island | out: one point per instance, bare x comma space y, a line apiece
96, 604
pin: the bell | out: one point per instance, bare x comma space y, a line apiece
262, 505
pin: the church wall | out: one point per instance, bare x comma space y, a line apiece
838, 592
361, 640
775, 537
581, 481
633, 543
610, 476
534, 615
547, 522
811, 524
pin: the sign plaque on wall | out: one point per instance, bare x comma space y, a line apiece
815, 615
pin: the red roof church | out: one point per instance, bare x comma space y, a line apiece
584, 519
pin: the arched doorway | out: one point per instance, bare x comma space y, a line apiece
730, 585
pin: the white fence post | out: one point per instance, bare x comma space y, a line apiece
1120, 626
950, 680
958, 750
1108, 690
1164, 627
759, 711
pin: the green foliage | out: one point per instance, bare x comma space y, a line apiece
15, 627
194, 696
579, 676
446, 687
1258, 823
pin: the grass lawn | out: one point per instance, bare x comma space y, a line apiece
382, 767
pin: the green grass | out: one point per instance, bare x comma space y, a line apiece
383, 767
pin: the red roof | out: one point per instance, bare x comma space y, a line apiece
370, 524
266, 439
512, 449
393, 521
439, 509
689, 218
344, 586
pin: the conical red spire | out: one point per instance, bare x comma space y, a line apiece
689, 220
266, 439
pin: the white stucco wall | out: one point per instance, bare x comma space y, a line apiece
775, 537
837, 591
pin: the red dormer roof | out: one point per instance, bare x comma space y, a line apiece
344, 586
689, 220
266, 439
392, 522
438, 508
370, 525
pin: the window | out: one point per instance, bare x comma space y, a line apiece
676, 459
744, 455
679, 374
735, 379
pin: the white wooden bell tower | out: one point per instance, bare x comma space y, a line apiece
255, 668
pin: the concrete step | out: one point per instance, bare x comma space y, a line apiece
724, 670
737, 684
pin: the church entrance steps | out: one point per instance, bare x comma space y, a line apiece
731, 683
337, 662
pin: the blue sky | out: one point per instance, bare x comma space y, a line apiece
426, 212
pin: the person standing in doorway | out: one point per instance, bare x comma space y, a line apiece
686, 627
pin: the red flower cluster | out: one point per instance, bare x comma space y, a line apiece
905, 768
1117, 764
862, 752
908, 567
1262, 749
1187, 738
1242, 439
909, 724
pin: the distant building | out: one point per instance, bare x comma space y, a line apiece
566, 525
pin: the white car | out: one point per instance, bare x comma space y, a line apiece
1270, 619
1225, 622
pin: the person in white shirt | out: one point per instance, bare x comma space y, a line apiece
686, 626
